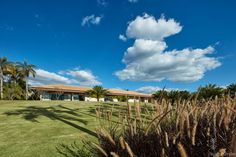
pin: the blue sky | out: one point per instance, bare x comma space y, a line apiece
77, 41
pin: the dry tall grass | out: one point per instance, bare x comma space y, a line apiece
187, 129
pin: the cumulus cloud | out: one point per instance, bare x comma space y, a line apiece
46, 77
148, 60
147, 27
75, 76
84, 77
92, 19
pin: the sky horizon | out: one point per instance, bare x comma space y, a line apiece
142, 45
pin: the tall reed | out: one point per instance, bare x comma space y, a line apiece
186, 128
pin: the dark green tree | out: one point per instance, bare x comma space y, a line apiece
13, 91
210, 91
184, 95
231, 89
26, 70
160, 94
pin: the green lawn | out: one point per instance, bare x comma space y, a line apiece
35, 128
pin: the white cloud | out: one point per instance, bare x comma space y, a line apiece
147, 59
92, 19
46, 77
147, 27
84, 77
133, 1
81, 77
122, 37
143, 49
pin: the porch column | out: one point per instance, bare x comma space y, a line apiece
72, 97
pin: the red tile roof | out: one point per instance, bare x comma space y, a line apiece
80, 89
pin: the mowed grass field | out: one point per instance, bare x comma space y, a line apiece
37, 128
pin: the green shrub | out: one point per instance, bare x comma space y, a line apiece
13, 91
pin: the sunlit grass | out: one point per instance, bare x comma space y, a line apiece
36, 128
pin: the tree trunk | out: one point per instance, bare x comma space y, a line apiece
1, 84
26, 88
97, 98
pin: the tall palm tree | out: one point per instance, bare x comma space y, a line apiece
4, 64
26, 70
14, 73
97, 92
210, 91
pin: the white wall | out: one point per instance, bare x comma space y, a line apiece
67, 100
93, 99
115, 100
133, 100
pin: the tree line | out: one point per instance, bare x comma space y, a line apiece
14, 84
207, 92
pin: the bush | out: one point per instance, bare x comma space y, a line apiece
13, 91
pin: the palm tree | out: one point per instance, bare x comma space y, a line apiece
173, 96
26, 70
210, 91
14, 73
231, 89
97, 92
4, 64
160, 94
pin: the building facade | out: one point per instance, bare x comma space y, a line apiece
78, 93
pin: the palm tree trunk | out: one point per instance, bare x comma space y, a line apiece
97, 98
26, 88
1, 85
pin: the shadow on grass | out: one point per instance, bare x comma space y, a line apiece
74, 150
63, 114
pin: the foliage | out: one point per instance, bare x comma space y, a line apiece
210, 91
14, 75
173, 95
25, 71
34, 95
192, 128
97, 92
161, 94
12, 91
122, 98
231, 89
4, 65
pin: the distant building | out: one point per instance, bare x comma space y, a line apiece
78, 93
